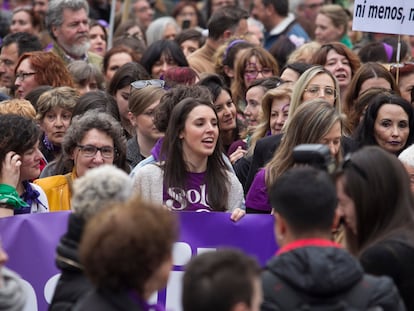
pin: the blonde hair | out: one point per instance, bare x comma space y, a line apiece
281, 92
302, 84
337, 15
304, 53
141, 99
311, 122
21, 107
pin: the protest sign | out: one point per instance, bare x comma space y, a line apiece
384, 16
31, 240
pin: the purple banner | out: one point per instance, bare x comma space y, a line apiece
31, 240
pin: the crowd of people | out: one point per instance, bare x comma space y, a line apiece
198, 106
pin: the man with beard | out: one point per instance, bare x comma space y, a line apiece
68, 25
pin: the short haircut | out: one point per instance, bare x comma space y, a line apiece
102, 122
21, 107
123, 246
17, 134
54, 15
219, 280
60, 97
306, 198
280, 6
99, 187
226, 18
25, 42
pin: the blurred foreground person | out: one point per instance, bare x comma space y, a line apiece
310, 271
127, 253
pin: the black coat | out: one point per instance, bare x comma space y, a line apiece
106, 300
322, 272
72, 284
394, 258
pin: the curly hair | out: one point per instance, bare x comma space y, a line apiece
99, 187
17, 134
125, 245
100, 121
50, 69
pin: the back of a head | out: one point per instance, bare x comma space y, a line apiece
25, 42
306, 198
97, 188
219, 280
172, 98
126, 244
226, 18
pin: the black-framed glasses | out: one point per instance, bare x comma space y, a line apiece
90, 151
348, 163
140, 84
315, 91
24, 75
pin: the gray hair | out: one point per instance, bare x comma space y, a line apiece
99, 187
155, 30
54, 16
407, 156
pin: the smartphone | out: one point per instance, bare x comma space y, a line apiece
185, 24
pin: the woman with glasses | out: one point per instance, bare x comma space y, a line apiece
314, 122
316, 82
93, 139
376, 205
388, 123
253, 63
142, 103
40, 68
194, 176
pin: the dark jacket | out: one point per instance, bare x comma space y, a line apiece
393, 257
72, 284
320, 269
106, 300
133, 154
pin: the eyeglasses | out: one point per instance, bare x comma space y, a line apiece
23, 75
347, 163
90, 151
315, 90
140, 84
252, 74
